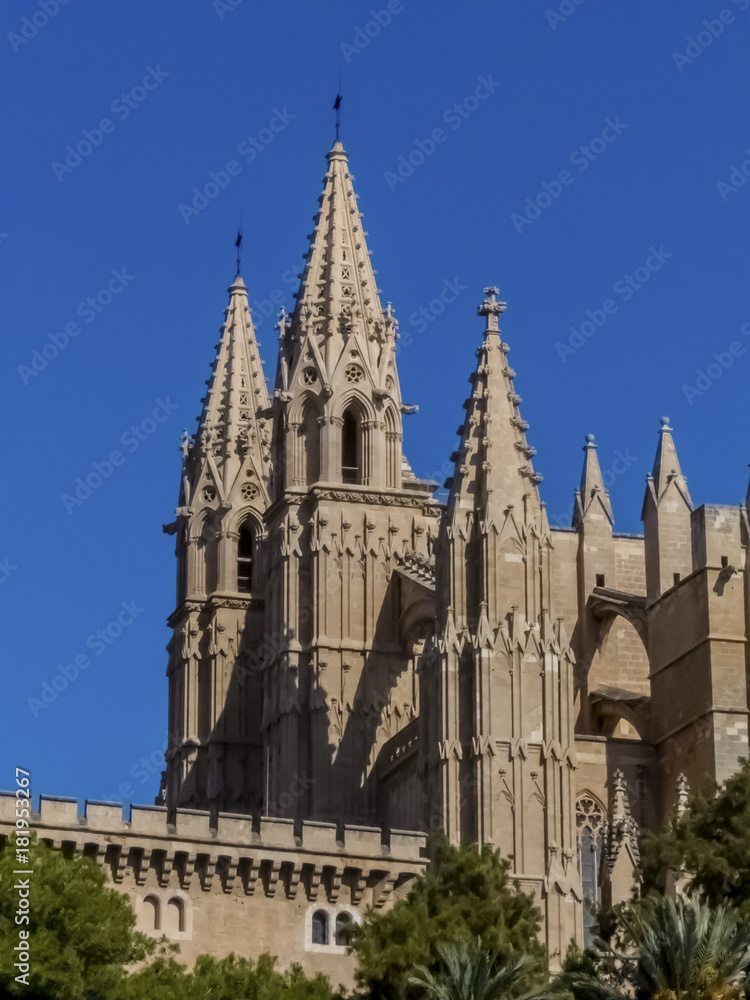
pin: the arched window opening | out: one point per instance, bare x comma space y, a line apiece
245, 547
311, 444
343, 928
320, 927
591, 826
151, 915
351, 448
175, 922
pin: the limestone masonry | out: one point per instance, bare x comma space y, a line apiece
354, 664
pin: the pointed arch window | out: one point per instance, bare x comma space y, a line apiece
591, 825
245, 547
351, 447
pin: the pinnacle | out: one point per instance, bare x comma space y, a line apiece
338, 303
230, 428
592, 492
666, 464
493, 463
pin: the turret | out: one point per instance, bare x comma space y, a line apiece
496, 736
214, 755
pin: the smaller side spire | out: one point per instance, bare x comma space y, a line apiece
667, 466
592, 500
666, 517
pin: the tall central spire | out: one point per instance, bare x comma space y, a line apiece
338, 298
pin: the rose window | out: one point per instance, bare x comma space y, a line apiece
353, 374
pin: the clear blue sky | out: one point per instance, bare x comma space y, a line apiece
184, 88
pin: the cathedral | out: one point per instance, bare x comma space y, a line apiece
354, 664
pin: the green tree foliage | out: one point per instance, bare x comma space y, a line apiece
465, 894
81, 932
470, 973
223, 979
82, 941
710, 844
666, 949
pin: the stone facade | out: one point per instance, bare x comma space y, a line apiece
354, 664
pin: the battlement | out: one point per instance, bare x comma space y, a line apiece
235, 850
268, 832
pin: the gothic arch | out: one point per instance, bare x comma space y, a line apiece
309, 456
353, 397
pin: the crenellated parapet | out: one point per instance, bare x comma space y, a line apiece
266, 856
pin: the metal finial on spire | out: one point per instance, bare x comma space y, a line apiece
337, 108
238, 244
491, 308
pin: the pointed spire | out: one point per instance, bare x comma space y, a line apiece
593, 498
666, 517
667, 466
493, 463
232, 431
338, 294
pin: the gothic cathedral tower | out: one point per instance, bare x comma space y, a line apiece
345, 648
497, 722
215, 753
346, 512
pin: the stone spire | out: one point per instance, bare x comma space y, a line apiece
666, 519
232, 445
338, 307
214, 759
667, 470
592, 500
493, 468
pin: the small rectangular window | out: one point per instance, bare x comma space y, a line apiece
724, 562
600, 579
676, 579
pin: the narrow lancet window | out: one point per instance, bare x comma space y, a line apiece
245, 559
351, 450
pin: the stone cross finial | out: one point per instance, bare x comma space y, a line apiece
282, 323
683, 792
491, 308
